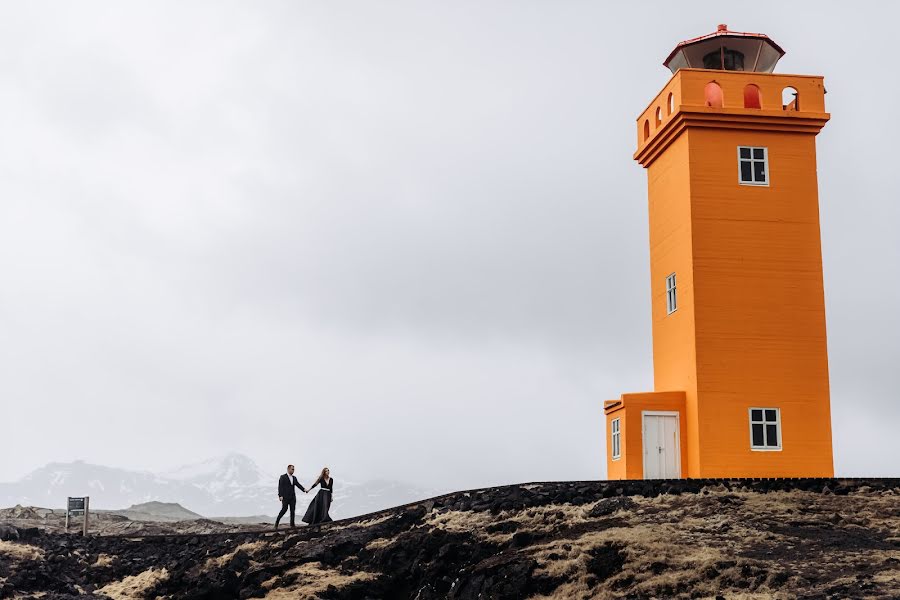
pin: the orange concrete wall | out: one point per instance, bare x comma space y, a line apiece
616, 469
687, 90
631, 464
759, 305
670, 251
750, 326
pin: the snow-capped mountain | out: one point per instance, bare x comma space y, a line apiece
231, 485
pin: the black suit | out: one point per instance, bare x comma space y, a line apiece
288, 496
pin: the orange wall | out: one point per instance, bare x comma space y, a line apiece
759, 304
670, 251
687, 90
631, 464
750, 324
618, 468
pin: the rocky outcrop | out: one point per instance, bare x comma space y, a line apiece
666, 539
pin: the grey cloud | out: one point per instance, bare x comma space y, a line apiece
406, 238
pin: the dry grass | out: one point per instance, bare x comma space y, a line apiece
539, 520
309, 581
362, 524
551, 516
18, 551
679, 553
134, 586
460, 521
643, 545
677, 543
103, 560
379, 543
217, 562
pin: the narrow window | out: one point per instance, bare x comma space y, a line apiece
658, 116
670, 104
753, 165
765, 429
646, 129
671, 300
616, 439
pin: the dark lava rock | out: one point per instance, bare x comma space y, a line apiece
500, 576
608, 506
502, 527
522, 539
8, 532
606, 560
416, 558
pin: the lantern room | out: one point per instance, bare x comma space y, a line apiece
727, 51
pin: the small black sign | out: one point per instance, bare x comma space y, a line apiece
76, 504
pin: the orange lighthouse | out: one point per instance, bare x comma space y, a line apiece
739, 350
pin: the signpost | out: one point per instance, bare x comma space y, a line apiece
77, 507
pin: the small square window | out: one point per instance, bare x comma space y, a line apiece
671, 297
616, 438
765, 429
753, 166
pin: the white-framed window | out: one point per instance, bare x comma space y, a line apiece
671, 299
753, 165
616, 438
765, 428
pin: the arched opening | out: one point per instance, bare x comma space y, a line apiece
658, 116
646, 129
670, 104
752, 96
790, 99
713, 94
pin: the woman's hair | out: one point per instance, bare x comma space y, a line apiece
322, 474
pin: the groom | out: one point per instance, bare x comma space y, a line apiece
286, 494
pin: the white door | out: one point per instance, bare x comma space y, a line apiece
662, 452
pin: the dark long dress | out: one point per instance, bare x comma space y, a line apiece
318, 508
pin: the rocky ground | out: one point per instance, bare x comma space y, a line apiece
123, 522
674, 539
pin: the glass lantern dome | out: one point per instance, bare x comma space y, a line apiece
727, 51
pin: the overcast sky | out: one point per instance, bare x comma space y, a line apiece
405, 239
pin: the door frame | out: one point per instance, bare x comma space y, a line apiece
661, 413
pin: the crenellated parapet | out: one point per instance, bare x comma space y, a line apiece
732, 99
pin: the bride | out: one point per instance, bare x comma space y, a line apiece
318, 508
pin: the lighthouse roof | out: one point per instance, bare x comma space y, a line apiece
726, 50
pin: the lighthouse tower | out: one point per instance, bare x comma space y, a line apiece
738, 310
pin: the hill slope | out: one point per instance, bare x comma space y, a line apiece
675, 539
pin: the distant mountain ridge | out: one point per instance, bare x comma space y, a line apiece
232, 485
159, 511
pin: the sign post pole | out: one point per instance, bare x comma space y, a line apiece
87, 503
